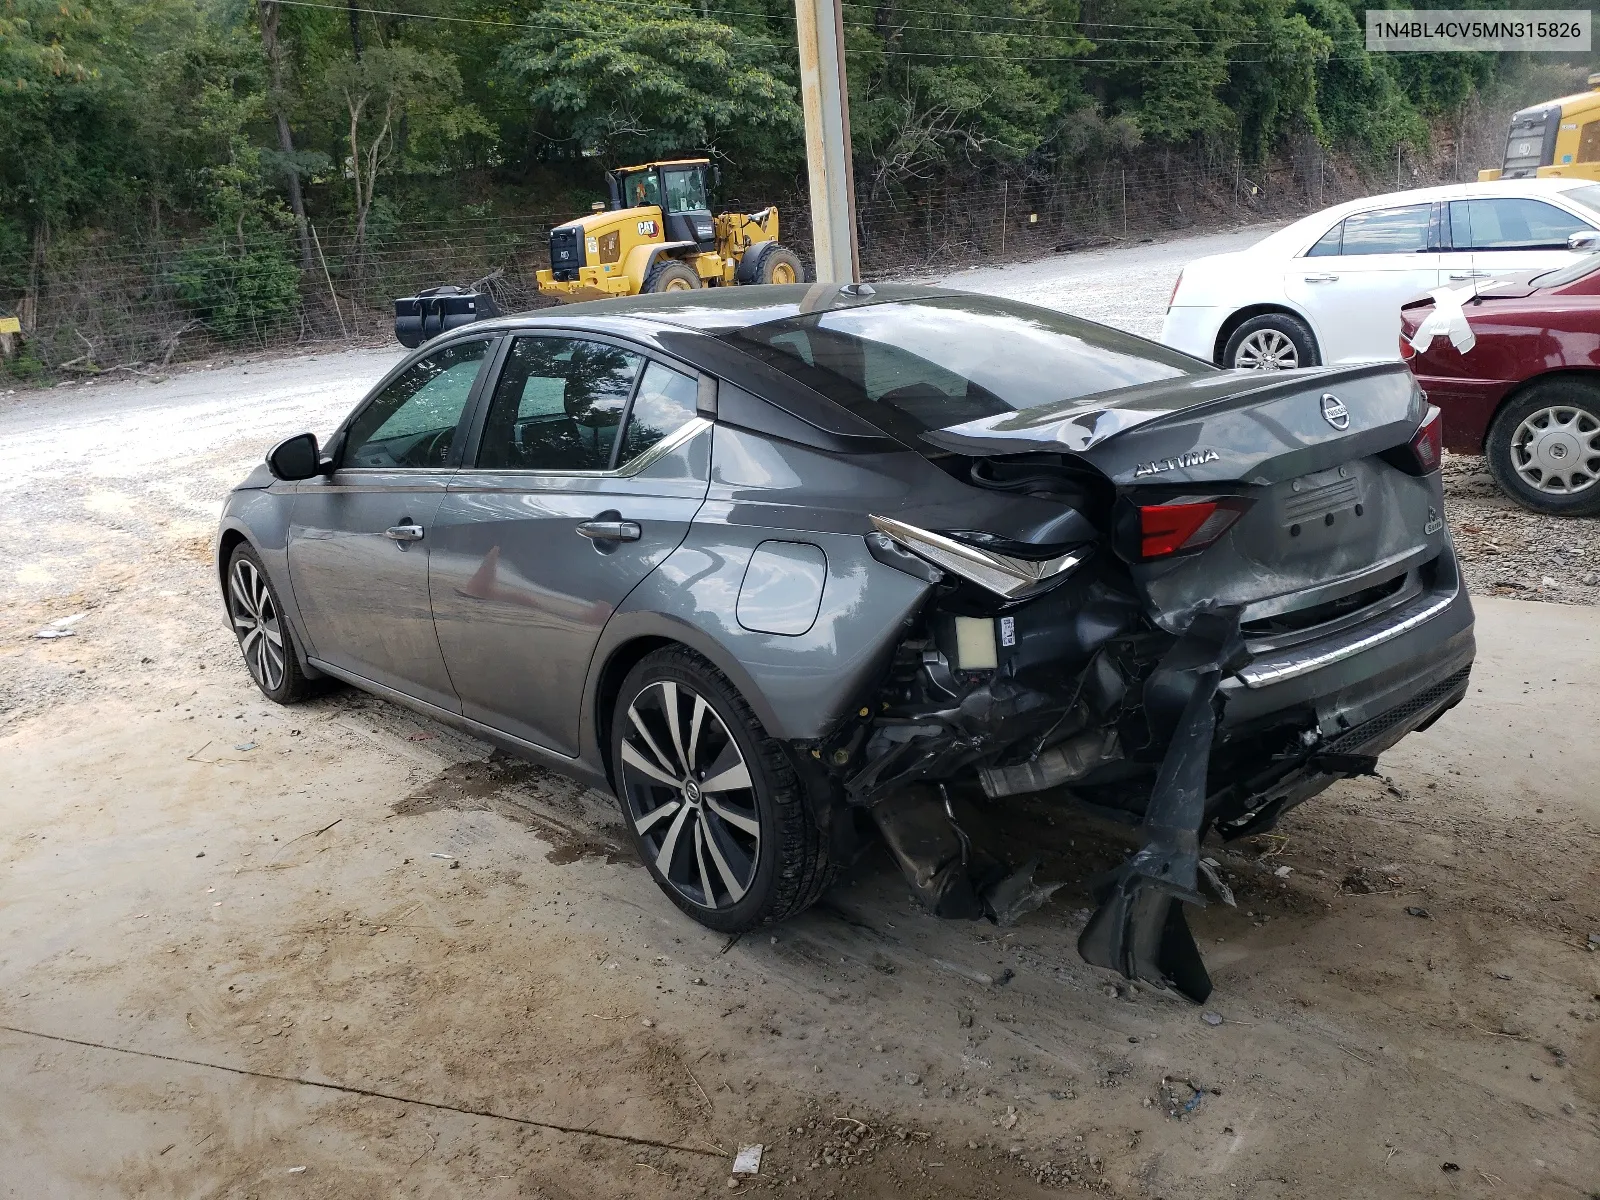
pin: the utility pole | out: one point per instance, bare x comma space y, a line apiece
820, 28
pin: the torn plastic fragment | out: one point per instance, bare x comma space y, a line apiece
1015, 896
1208, 868
933, 851
1139, 929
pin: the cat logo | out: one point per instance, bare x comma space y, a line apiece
648, 229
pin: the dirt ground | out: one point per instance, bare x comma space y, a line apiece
341, 951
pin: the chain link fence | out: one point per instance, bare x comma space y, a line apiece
138, 307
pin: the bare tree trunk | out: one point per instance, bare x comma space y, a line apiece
268, 12
28, 310
355, 27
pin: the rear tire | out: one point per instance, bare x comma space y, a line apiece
1271, 342
735, 856
1544, 448
780, 265
270, 651
671, 275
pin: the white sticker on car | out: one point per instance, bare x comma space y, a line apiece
1008, 631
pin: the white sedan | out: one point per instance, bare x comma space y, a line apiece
1328, 289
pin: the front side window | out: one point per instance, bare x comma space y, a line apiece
412, 422
1510, 223
686, 192
558, 405
908, 367
1387, 231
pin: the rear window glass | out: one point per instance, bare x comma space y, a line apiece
927, 364
1587, 265
1388, 230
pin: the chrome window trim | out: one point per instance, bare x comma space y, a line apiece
683, 434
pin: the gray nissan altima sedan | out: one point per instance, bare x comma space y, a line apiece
789, 568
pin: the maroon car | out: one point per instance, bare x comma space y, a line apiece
1526, 393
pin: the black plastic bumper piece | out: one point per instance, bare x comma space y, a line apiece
1139, 928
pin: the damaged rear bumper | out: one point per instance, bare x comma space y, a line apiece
1229, 736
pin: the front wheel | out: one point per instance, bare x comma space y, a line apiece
1271, 342
671, 276
1544, 448
712, 803
265, 639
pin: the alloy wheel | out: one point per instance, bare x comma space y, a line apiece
257, 624
1557, 450
1267, 350
689, 794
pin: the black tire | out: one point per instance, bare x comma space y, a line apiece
256, 615
1544, 448
670, 275
756, 851
1256, 339
779, 265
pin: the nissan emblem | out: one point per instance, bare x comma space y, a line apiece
1334, 412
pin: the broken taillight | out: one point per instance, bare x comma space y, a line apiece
1407, 350
1176, 284
1185, 526
1424, 453
1427, 443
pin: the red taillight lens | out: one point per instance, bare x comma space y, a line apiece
1176, 284
1427, 443
1168, 528
1407, 350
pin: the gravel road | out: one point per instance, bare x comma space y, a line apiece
339, 950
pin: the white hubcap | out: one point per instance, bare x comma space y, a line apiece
1557, 450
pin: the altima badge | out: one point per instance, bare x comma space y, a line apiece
1334, 412
1192, 458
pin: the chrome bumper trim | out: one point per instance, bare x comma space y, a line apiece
1275, 669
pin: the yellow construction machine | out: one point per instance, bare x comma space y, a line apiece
658, 235
1559, 139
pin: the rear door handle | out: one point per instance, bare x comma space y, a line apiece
1322, 279
404, 533
610, 531
1469, 274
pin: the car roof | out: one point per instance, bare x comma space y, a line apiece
1324, 219
720, 310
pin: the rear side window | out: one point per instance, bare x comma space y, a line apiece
1401, 230
1331, 242
558, 405
666, 399
908, 367
1510, 223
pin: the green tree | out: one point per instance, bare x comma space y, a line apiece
633, 80
375, 91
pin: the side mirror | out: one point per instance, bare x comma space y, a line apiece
295, 458
1584, 239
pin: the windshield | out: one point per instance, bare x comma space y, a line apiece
1571, 273
641, 189
927, 364
1588, 196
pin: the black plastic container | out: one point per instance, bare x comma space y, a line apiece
435, 310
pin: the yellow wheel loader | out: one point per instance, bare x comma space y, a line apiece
1559, 139
658, 235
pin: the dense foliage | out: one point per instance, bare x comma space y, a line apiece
238, 121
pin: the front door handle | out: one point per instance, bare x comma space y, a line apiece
404, 533
610, 531
1322, 279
